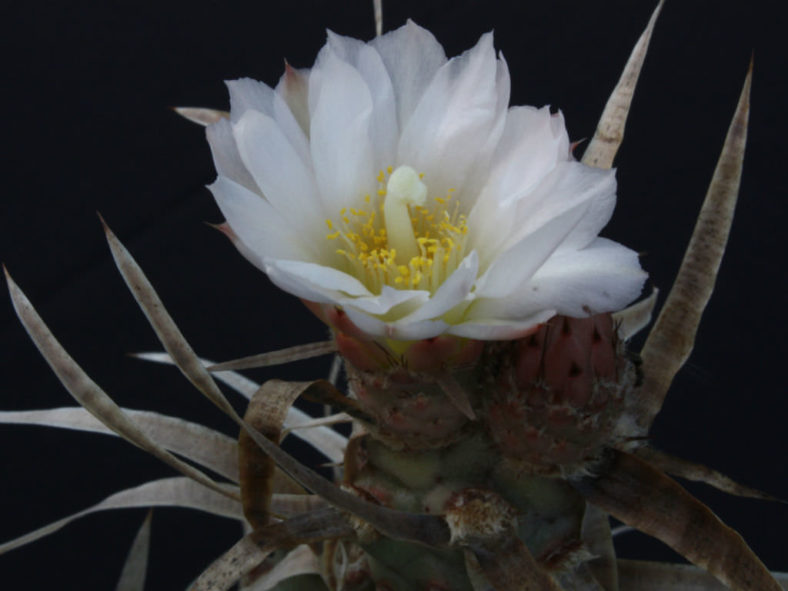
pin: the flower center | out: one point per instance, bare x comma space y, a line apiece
401, 238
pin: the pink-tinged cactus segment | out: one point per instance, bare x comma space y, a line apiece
370, 354
442, 352
559, 394
411, 410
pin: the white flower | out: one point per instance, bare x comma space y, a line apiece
399, 186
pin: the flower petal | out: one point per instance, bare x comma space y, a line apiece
424, 322
472, 186
517, 264
416, 331
567, 186
384, 132
279, 172
314, 282
249, 95
452, 292
293, 87
603, 277
528, 152
292, 129
388, 299
412, 56
413, 331
226, 158
261, 229
599, 212
559, 131
501, 329
453, 119
342, 153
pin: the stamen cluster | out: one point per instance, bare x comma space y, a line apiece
439, 229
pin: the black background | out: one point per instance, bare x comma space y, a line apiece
86, 129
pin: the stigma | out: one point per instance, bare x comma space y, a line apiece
403, 189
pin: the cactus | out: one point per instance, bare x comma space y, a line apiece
447, 471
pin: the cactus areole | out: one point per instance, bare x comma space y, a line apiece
451, 244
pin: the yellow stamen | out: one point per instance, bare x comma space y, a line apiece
412, 244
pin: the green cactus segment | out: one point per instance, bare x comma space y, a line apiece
404, 566
301, 583
549, 512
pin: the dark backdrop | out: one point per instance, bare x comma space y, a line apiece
87, 128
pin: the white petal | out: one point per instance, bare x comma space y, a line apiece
293, 87
412, 57
528, 151
296, 287
416, 331
453, 120
279, 172
500, 329
315, 282
452, 292
569, 185
472, 186
247, 94
603, 277
559, 130
526, 155
342, 156
516, 265
424, 329
369, 325
388, 299
424, 321
600, 210
384, 132
226, 158
259, 226
292, 129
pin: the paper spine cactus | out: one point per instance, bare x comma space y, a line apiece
473, 464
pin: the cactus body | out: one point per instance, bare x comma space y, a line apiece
542, 407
